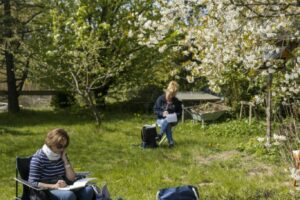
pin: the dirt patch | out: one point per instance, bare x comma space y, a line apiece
260, 170
256, 168
248, 163
226, 155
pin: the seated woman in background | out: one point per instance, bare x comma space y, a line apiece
50, 168
167, 104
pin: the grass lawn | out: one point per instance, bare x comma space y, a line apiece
207, 158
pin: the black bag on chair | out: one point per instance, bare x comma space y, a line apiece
148, 135
40, 195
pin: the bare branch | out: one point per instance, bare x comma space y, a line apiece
24, 76
295, 4
99, 78
33, 30
273, 16
256, 13
76, 82
32, 17
27, 5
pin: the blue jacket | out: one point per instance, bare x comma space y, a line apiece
161, 105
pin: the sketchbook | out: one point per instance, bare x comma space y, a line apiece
78, 184
171, 118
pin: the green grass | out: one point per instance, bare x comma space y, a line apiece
207, 158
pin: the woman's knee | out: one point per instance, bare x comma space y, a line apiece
166, 124
64, 195
69, 196
85, 193
89, 192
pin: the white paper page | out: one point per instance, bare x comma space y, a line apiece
78, 184
171, 118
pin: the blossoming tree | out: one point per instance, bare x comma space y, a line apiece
258, 39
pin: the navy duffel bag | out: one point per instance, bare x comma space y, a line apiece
186, 192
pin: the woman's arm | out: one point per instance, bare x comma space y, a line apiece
59, 184
70, 174
158, 107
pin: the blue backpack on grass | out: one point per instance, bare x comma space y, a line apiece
186, 192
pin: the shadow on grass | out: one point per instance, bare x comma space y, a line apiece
113, 116
188, 142
5, 131
32, 117
64, 117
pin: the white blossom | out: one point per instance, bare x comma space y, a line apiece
162, 48
190, 79
279, 137
260, 139
130, 34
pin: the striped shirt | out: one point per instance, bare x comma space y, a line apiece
44, 170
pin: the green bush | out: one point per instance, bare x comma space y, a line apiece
63, 100
141, 101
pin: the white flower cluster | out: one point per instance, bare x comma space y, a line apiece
260, 139
278, 139
258, 100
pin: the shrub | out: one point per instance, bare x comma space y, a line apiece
141, 101
63, 100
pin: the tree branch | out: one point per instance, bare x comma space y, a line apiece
76, 82
24, 76
31, 17
35, 5
296, 4
273, 16
269, 5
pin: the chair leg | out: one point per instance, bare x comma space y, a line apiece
294, 183
17, 185
162, 140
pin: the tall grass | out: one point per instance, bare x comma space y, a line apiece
207, 158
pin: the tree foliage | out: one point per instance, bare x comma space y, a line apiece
98, 44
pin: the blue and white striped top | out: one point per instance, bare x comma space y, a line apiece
44, 170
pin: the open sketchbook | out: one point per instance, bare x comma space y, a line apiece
78, 184
171, 118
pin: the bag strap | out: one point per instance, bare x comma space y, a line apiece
195, 192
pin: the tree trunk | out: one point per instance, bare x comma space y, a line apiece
94, 109
269, 110
88, 98
13, 102
101, 93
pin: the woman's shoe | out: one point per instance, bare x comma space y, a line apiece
158, 137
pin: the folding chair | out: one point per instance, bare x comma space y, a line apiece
22, 174
164, 137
